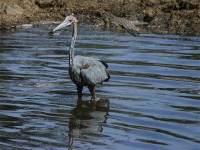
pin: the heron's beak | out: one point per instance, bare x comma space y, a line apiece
64, 24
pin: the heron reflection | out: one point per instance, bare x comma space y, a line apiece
87, 118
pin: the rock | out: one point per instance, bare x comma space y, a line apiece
149, 14
11, 10
188, 4
151, 2
44, 3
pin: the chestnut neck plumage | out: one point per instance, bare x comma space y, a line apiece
74, 35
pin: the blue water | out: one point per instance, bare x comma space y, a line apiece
151, 102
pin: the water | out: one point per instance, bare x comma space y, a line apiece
151, 102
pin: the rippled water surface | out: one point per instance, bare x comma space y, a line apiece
151, 102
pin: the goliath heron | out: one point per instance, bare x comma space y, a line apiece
84, 71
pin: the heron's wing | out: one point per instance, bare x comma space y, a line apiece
94, 75
95, 71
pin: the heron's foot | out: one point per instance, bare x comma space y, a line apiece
93, 104
94, 98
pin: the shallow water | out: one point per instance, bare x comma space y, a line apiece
151, 102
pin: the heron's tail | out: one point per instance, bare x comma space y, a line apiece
108, 75
104, 63
108, 78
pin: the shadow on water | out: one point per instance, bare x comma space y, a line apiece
87, 118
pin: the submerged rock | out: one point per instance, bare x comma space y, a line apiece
118, 22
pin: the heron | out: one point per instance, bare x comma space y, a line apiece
84, 71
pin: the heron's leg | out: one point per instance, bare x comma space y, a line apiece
92, 91
79, 90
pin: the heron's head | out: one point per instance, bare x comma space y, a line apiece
68, 21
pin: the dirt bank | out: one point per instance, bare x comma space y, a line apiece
164, 16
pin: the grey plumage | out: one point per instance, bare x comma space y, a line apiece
81, 74
84, 71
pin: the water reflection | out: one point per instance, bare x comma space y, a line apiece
87, 118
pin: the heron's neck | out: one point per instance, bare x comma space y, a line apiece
71, 52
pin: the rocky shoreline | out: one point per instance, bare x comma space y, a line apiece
163, 16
